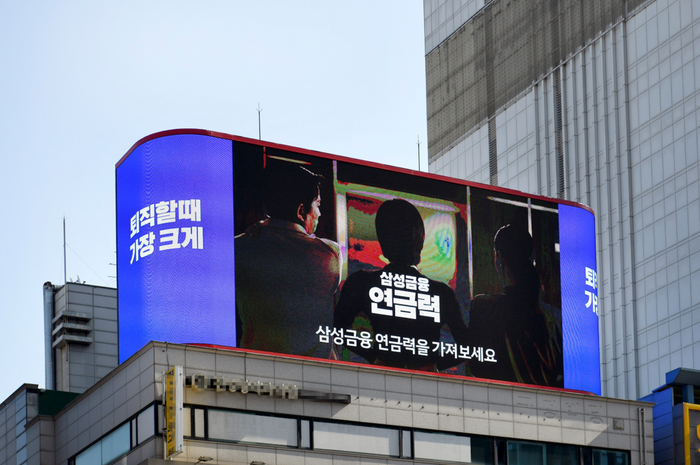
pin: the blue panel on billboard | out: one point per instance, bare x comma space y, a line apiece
579, 288
343, 260
175, 243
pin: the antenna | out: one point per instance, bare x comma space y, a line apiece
259, 131
65, 275
418, 152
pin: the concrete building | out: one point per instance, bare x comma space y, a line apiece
379, 416
596, 102
80, 330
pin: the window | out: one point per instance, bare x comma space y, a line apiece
187, 422
247, 427
406, 452
217, 424
355, 438
610, 457
108, 449
306, 434
199, 423
525, 453
121, 440
521, 452
444, 447
453, 448
92, 455
146, 424
116, 443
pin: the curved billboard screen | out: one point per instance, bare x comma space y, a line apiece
236, 242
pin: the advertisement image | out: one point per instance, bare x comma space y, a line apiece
306, 254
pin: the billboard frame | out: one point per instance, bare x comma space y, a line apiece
330, 156
369, 164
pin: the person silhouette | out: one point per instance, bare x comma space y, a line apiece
286, 277
512, 323
399, 301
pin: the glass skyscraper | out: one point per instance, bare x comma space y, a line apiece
598, 102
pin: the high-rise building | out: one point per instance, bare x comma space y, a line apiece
596, 102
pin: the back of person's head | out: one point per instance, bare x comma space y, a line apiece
514, 249
400, 232
286, 186
514, 244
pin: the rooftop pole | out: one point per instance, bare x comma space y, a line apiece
65, 275
418, 152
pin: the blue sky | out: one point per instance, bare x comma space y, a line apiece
81, 82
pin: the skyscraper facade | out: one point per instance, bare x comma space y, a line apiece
598, 102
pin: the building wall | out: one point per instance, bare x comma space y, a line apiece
664, 70
17, 444
106, 405
611, 124
79, 365
379, 397
498, 52
40, 441
443, 17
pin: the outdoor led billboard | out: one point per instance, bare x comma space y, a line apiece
236, 242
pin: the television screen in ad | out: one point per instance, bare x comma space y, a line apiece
235, 242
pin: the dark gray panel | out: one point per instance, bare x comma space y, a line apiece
501, 51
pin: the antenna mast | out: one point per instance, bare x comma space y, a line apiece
259, 131
65, 275
418, 152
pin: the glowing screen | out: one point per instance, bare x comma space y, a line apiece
235, 242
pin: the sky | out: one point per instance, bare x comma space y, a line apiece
81, 82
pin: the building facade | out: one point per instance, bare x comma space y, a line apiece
80, 334
331, 413
596, 102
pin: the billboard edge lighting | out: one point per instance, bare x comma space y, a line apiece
230, 242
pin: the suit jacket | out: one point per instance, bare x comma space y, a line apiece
285, 283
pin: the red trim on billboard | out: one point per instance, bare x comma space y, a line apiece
397, 169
